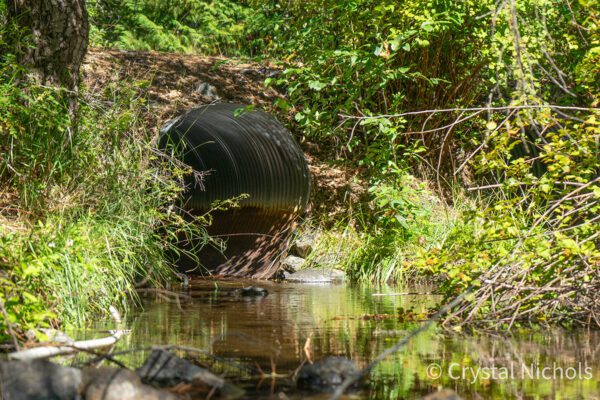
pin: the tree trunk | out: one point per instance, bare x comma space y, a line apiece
59, 30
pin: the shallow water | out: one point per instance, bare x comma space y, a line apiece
355, 322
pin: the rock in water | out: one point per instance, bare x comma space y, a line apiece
316, 276
119, 384
251, 291
164, 369
38, 380
326, 375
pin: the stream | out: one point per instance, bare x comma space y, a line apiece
357, 322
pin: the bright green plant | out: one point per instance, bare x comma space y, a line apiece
354, 69
208, 27
85, 214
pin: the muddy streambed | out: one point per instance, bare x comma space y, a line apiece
243, 336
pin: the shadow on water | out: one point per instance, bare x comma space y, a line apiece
242, 336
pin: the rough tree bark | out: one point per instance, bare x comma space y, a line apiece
60, 31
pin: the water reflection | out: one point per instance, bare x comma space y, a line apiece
272, 332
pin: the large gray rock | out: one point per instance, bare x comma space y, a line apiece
38, 380
326, 375
316, 276
292, 264
304, 244
119, 384
165, 369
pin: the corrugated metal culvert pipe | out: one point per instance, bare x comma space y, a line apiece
245, 152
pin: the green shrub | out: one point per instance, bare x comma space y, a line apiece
532, 255
354, 72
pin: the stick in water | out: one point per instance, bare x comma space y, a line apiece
52, 351
351, 380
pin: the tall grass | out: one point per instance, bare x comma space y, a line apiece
392, 238
86, 212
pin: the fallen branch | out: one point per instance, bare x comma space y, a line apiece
351, 380
74, 347
471, 109
52, 351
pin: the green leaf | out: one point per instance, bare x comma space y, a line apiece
491, 125
316, 85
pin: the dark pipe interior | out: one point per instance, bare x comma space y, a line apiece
245, 152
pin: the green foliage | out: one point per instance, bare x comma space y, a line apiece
208, 27
354, 69
540, 231
391, 236
37, 143
85, 213
370, 57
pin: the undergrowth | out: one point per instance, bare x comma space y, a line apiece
207, 27
85, 212
391, 238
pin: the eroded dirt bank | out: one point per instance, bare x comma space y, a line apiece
175, 83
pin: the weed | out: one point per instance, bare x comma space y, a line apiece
84, 215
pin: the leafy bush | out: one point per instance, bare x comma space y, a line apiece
533, 254
413, 86
370, 57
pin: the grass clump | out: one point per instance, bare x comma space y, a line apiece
86, 202
392, 237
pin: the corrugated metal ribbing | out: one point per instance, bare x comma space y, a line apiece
250, 153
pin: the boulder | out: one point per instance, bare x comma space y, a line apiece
165, 369
292, 264
119, 384
316, 276
38, 380
303, 245
325, 375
